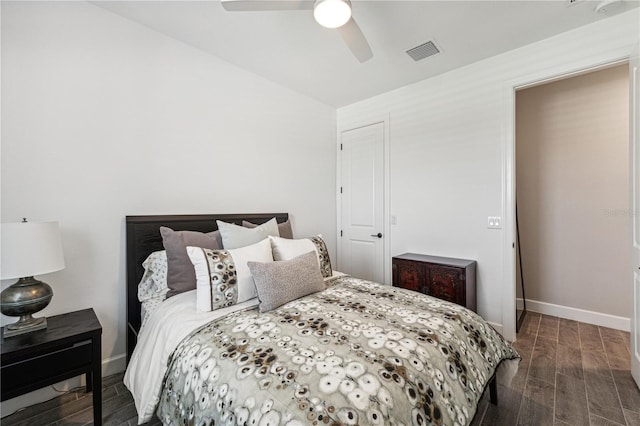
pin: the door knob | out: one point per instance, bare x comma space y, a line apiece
379, 235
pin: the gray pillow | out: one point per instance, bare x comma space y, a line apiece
280, 282
234, 236
284, 228
181, 276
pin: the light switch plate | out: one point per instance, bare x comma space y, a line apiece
494, 222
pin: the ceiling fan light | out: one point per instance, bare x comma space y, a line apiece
332, 13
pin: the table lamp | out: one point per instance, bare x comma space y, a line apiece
28, 249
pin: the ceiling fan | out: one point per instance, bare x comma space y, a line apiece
328, 13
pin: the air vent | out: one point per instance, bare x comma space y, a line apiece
423, 51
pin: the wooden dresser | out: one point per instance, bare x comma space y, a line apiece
450, 279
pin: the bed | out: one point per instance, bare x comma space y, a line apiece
355, 352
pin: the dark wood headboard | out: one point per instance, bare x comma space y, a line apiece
143, 238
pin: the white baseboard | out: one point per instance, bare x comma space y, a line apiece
113, 365
590, 317
110, 366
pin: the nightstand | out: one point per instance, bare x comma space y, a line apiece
68, 347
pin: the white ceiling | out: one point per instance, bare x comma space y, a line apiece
290, 48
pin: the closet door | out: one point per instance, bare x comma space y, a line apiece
362, 236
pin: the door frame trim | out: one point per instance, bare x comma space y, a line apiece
386, 187
634, 145
548, 75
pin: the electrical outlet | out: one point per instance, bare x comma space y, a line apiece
494, 222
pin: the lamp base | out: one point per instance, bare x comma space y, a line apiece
23, 299
26, 324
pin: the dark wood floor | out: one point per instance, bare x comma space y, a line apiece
571, 374
76, 408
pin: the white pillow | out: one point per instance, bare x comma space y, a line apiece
286, 249
223, 277
234, 236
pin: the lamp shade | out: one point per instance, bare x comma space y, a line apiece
30, 248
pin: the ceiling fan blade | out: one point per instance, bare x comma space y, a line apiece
266, 5
355, 40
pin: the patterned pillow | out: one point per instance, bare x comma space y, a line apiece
223, 277
153, 284
234, 236
284, 249
281, 282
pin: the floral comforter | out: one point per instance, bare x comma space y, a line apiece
356, 353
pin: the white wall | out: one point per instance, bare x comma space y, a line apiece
447, 137
572, 154
104, 118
